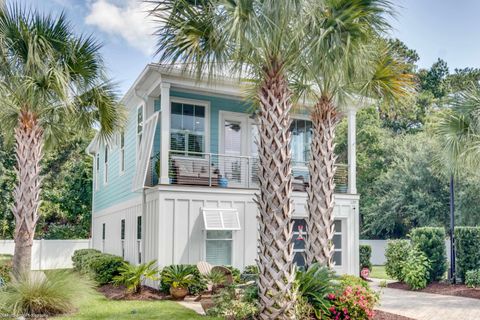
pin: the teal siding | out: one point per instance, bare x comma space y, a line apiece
119, 187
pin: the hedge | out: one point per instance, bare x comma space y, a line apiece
101, 267
431, 241
396, 253
467, 244
365, 256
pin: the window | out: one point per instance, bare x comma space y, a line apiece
139, 238
301, 139
300, 235
122, 237
97, 171
122, 152
187, 128
105, 172
103, 237
219, 247
139, 126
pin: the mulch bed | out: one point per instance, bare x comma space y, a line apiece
447, 289
119, 293
382, 315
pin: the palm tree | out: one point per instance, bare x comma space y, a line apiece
51, 83
256, 39
344, 58
457, 129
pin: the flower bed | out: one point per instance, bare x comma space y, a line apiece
459, 290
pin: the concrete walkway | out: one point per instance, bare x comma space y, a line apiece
427, 306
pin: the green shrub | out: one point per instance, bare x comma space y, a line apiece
250, 273
396, 254
229, 306
104, 267
352, 302
431, 241
467, 242
6, 267
78, 256
365, 256
198, 284
472, 278
314, 285
132, 276
349, 280
49, 293
416, 269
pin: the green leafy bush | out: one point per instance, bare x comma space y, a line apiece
472, 278
6, 267
216, 279
132, 276
314, 285
229, 306
352, 302
44, 293
467, 242
79, 255
349, 280
103, 268
396, 254
250, 273
197, 285
365, 256
416, 269
431, 241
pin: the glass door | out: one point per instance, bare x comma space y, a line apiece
233, 162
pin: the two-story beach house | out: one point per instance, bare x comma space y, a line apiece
177, 185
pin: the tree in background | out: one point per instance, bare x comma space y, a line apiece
258, 40
345, 59
52, 84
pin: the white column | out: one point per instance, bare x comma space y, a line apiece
165, 131
352, 157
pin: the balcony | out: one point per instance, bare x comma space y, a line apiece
229, 171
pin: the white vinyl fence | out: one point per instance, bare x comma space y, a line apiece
49, 254
379, 246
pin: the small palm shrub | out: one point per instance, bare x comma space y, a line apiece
178, 276
396, 253
196, 285
229, 306
472, 278
431, 241
314, 285
49, 293
132, 276
365, 256
416, 269
216, 279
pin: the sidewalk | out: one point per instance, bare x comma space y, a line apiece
426, 306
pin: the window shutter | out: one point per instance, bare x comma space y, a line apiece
221, 219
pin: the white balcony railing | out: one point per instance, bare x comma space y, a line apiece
229, 171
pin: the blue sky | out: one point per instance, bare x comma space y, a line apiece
435, 28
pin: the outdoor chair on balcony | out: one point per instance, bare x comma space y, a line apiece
194, 171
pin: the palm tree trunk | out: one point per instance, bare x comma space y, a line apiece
320, 201
28, 138
275, 250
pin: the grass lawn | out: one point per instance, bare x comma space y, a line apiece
379, 272
98, 307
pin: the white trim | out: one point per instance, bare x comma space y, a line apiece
203, 103
122, 156
137, 144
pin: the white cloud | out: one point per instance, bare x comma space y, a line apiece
129, 21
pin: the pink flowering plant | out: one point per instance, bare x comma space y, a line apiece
352, 302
